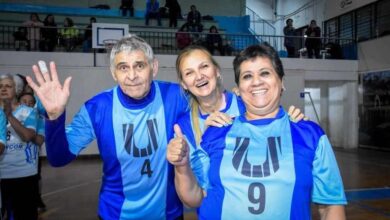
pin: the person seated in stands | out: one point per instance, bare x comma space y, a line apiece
69, 35
334, 49
33, 30
194, 19
183, 37
20, 37
87, 43
214, 41
127, 5
152, 11
49, 34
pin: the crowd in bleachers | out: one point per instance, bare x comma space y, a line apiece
36, 35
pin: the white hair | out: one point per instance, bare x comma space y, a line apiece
18, 81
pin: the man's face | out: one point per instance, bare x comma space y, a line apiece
133, 73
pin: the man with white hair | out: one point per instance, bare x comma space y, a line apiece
132, 124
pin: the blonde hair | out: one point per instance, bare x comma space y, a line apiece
194, 104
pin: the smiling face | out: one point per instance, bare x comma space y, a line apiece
260, 88
134, 73
198, 74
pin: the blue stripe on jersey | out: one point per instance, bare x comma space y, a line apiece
213, 145
175, 104
3, 127
305, 137
98, 121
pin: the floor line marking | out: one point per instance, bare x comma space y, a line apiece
70, 188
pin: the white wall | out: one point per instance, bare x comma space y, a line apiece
264, 8
335, 8
88, 80
374, 54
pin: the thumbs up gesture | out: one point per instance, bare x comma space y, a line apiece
177, 150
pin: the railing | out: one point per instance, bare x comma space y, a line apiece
166, 42
258, 25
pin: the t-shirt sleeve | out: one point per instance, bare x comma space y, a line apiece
327, 183
80, 132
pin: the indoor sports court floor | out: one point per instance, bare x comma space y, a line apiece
71, 192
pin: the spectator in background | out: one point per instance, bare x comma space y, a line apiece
87, 42
174, 12
194, 19
313, 40
183, 37
33, 30
49, 34
214, 41
127, 5
20, 37
28, 98
152, 11
18, 164
288, 31
69, 35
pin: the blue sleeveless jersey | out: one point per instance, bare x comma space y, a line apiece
234, 107
3, 127
269, 169
132, 136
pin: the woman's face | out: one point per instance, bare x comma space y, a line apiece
7, 89
260, 88
199, 74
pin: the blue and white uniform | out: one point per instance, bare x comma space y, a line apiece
234, 107
269, 169
132, 137
3, 127
19, 159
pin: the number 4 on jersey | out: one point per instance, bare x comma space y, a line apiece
146, 168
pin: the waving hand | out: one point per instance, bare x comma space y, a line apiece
49, 90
